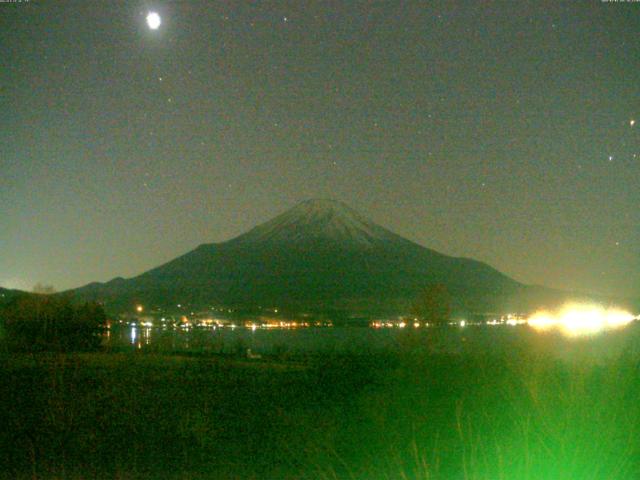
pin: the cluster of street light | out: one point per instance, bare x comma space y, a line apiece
572, 320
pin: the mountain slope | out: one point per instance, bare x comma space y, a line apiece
7, 296
321, 255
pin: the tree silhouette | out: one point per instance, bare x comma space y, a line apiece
35, 323
43, 289
433, 305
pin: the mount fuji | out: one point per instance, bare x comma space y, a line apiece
320, 256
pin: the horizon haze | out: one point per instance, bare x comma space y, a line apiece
506, 133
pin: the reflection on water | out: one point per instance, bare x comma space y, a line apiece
133, 336
361, 340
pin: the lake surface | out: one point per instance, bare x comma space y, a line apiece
363, 340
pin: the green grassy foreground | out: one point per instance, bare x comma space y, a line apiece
136, 415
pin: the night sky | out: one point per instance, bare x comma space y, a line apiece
501, 131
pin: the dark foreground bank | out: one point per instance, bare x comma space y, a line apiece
132, 415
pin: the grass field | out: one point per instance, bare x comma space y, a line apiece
489, 417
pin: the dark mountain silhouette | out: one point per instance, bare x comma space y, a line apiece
10, 297
7, 295
319, 256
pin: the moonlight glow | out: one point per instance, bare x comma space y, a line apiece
153, 20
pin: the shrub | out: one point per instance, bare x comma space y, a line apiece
46, 323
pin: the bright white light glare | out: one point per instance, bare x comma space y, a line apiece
153, 20
577, 319
542, 321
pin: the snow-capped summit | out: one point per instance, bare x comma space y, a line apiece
319, 219
319, 256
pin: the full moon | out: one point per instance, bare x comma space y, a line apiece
153, 20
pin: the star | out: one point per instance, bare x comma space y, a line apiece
611, 158
632, 122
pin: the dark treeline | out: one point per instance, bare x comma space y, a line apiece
50, 323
